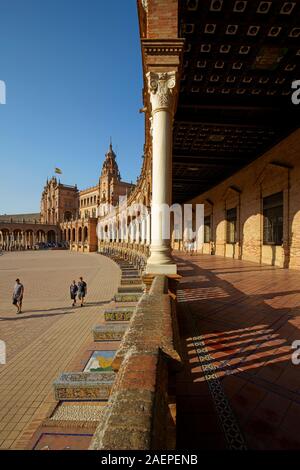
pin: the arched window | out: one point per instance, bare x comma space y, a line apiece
51, 236
67, 216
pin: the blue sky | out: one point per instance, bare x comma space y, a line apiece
73, 75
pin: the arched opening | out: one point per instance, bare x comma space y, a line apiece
29, 237
85, 234
67, 216
69, 235
16, 239
5, 239
40, 236
80, 234
51, 236
73, 235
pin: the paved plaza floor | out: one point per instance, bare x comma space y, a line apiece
44, 340
238, 321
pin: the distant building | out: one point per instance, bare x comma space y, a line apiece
67, 214
59, 202
78, 227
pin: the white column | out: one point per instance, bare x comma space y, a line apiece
143, 230
131, 231
161, 89
137, 231
126, 228
148, 233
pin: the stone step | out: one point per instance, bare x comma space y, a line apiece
128, 269
136, 288
119, 314
83, 385
133, 281
130, 276
109, 332
128, 297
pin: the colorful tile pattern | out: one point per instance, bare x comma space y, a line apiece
100, 361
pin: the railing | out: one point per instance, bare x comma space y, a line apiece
133, 252
142, 406
19, 221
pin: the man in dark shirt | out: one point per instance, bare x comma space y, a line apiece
82, 290
73, 292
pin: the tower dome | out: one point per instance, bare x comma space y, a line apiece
110, 166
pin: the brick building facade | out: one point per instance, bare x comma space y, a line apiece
79, 231
255, 214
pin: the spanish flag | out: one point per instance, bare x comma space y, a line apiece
58, 171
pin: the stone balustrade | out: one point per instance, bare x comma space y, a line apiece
133, 252
140, 411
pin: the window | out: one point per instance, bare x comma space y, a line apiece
273, 219
231, 218
207, 229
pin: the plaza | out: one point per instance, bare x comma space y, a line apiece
185, 342
46, 337
237, 322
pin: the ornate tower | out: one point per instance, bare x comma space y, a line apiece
109, 179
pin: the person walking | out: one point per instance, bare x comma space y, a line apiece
73, 292
82, 290
18, 295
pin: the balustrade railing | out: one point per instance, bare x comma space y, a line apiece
135, 253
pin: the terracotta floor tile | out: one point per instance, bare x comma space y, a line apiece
244, 313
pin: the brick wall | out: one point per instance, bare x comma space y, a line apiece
277, 170
162, 19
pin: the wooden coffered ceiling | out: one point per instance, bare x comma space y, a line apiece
239, 62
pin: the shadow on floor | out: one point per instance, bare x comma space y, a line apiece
60, 311
237, 328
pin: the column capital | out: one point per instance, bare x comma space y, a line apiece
161, 90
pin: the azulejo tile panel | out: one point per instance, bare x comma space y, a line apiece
84, 386
100, 361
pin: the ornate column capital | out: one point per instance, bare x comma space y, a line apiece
145, 5
161, 89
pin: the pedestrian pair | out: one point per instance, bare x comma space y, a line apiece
79, 289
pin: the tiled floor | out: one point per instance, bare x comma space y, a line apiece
240, 388
45, 339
